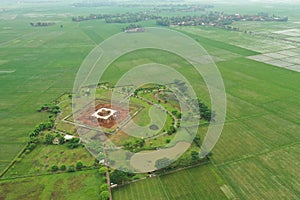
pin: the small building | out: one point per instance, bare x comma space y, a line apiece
102, 162
68, 137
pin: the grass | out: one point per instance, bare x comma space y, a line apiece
43, 157
245, 44
262, 117
241, 176
151, 189
59, 186
255, 158
188, 184
45, 60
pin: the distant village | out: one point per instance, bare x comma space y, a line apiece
218, 19
215, 19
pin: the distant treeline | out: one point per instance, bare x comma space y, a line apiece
218, 19
42, 24
118, 18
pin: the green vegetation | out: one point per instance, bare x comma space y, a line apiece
54, 186
188, 184
255, 158
46, 158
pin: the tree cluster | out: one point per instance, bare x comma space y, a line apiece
118, 18
73, 143
34, 135
177, 114
134, 146
171, 130
71, 168
51, 108
134, 28
40, 24
120, 177
205, 112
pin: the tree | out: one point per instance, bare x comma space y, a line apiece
139, 143
197, 140
79, 165
49, 138
118, 177
104, 195
73, 143
178, 115
171, 130
195, 155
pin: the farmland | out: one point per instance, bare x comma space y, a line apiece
258, 125
256, 157
187, 184
60, 186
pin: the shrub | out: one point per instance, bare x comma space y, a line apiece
79, 165
73, 143
63, 167
103, 187
104, 195
54, 168
27, 151
102, 170
31, 146
71, 168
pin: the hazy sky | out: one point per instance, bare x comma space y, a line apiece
161, 1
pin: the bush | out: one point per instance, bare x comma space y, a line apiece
31, 146
54, 168
103, 187
49, 138
27, 151
79, 165
73, 143
102, 170
104, 195
118, 177
71, 168
63, 167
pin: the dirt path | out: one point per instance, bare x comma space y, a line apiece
108, 183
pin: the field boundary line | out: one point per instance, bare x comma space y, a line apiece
18, 37
108, 183
41, 175
257, 154
13, 161
218, 171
